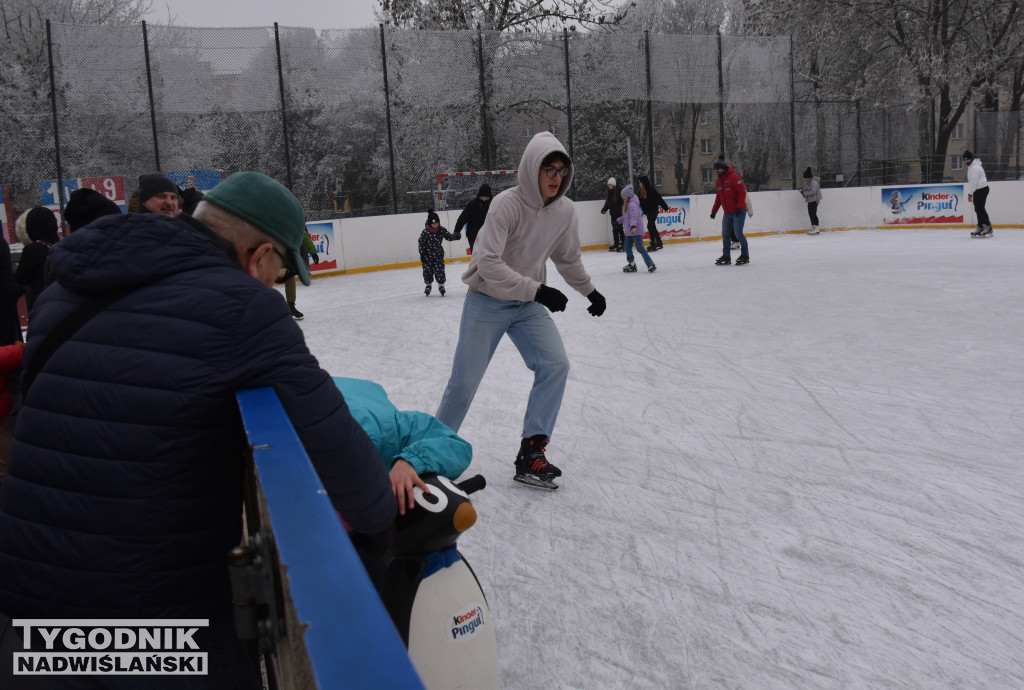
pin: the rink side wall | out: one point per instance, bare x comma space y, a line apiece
387, 242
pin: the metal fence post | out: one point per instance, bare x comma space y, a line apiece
387, 115
650, 106
792, 113
152, 100
485, 148
284, 109
721, 97
860, 147
568, 102
56, 133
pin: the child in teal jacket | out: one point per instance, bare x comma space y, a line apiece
413, 443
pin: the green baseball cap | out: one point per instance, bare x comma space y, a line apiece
267, 204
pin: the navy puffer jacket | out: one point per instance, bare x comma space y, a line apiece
122, 494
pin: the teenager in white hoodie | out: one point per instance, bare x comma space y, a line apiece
977, 192
526, 225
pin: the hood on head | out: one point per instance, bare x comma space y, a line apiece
485, 190
536, 151
41, 225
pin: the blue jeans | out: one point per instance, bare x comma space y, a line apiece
638, 240
530, 327
732, 230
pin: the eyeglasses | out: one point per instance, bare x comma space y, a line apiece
551, 171
285, 273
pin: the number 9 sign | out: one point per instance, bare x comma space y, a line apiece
110, 186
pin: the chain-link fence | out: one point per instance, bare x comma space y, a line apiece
361, 121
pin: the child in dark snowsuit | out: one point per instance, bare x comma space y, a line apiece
432, 252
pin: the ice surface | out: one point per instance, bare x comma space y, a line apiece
801, 473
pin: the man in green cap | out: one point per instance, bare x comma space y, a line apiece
122, 496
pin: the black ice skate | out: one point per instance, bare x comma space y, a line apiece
532, 467
426, 290
652, 268
742, 259
440, 288
723, 260
986, 231
977, 231
629, 268
296, 314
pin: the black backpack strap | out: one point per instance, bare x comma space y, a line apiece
62, 333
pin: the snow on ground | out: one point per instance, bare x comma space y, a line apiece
801, 473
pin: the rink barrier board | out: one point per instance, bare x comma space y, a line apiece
341, 622
671, 240
380, 243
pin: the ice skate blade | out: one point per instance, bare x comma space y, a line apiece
535, 482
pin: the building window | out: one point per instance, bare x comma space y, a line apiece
707, 176
704, 118
528, 131
958, 131
553, 128
657, 179
705, 146
682, 149
956, 162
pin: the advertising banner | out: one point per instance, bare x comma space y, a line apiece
110, 186
923, 204
204, 180
325, 235
676, 221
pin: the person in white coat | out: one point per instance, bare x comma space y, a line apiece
977, 192
812, 195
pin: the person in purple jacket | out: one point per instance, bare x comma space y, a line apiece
634, 231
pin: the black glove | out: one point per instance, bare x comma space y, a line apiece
316, 258
551, 298
457, 236
597, 303
712, 216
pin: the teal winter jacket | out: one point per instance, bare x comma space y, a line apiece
416, 437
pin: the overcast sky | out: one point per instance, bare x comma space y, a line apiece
319, 14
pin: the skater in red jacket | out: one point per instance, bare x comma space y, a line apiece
731, 196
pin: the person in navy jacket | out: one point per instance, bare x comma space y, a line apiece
123, 493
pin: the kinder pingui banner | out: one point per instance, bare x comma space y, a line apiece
923, 205
325, 235
675, 222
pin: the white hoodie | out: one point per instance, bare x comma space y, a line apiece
976, 176
521, 233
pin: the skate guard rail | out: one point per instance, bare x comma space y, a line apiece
338, 617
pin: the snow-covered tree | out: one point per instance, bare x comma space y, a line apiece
500, 15
881, 51
25, 111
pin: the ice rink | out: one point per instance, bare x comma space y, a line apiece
806, 472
